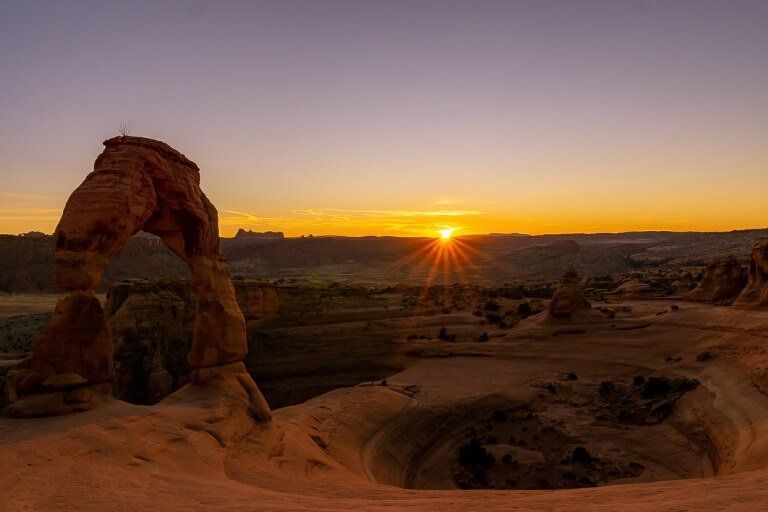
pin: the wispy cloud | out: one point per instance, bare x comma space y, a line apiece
333, 212
13, 195
357, 221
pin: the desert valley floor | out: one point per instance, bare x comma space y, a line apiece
697, 439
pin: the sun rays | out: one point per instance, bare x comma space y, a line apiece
444, 260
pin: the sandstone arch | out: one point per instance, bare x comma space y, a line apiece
136, 184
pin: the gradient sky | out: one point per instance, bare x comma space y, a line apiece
389, 117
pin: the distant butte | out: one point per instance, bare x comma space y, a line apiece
241, 233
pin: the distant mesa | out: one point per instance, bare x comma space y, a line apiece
755, 294
241, 233
722, 282
34, 234
568, 299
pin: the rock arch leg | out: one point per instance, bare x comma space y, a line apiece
71, 366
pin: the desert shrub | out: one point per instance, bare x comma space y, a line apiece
656, 386
493, 318
474, 453
499, 416
606, 388
582, 456
524, 309
515, 293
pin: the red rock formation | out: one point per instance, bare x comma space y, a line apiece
755, 294
138, 184
152, 324
257, 300
152, 328
722, 282
568, 299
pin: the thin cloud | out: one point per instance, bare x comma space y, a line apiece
335, 213
359, 221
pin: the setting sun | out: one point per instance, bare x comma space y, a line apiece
446, 233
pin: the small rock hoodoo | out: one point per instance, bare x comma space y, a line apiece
568, 299
137, 184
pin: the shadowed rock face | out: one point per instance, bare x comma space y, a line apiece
152, 327
137, 184
722, 282
756, 291
568, 299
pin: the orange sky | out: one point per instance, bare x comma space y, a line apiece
389, 118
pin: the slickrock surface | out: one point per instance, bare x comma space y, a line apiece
354, 448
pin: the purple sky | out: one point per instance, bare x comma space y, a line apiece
401, 117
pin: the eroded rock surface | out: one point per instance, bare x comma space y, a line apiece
722, 282
568, 299
137, 184
152, 326
755, 294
